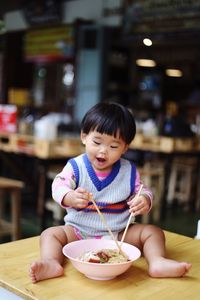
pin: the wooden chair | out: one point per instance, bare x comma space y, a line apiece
152, 174
13, 189
57, 211
182, 180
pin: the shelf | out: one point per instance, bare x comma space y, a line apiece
165, 144
41, 148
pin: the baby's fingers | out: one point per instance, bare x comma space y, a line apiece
82, 193
81, 203
81, 190
139, 209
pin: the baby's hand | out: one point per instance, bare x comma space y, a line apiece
139, 205
78, 198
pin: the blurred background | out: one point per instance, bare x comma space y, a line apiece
59, 58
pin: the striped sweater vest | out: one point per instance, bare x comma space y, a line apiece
110, 194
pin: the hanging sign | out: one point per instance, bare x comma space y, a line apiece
161, 16
49, 44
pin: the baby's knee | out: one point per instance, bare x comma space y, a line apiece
47, 232
154, 230
51, 232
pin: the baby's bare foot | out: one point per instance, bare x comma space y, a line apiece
163, 267
44, 269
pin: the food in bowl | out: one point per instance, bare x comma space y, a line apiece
99, 271
110, 256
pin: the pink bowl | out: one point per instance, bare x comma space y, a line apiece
95, 270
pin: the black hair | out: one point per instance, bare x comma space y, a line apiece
111, 119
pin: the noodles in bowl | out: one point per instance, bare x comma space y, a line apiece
110, 256
77, 252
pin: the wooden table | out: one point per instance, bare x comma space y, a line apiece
16, 256
166, 144
13, 188
43, 154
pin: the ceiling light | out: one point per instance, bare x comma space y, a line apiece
146, 63
174, 72
147, 42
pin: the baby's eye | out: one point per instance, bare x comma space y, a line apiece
96, 143
113, 147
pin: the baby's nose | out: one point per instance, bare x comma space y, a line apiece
103, 149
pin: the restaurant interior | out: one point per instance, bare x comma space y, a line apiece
59, 59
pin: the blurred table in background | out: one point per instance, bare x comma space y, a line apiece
164, 144
67, 146
54, 154
43, 153
165, 151
70, 145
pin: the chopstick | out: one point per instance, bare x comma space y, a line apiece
130, 217
107, 227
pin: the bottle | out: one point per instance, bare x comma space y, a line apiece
197, 237
25, 125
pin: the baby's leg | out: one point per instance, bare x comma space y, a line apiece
152, 240
52, 241
154, 252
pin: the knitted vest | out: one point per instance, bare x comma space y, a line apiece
110, 195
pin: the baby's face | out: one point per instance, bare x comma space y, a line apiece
103, 150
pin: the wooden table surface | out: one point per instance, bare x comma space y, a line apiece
15, 258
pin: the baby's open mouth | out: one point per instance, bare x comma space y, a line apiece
101, 159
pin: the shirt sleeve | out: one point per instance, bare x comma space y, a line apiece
63, 183
145, 190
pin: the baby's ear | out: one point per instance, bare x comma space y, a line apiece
83, 136
126, 148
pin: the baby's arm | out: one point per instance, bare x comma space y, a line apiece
64, 190
142, 204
